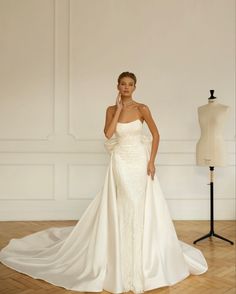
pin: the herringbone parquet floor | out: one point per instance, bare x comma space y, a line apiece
220, 256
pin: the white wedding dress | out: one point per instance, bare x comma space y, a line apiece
125, 239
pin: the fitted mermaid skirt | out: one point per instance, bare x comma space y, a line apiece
125, 239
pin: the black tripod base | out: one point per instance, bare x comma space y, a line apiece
212, 233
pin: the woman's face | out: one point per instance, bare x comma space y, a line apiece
126, 86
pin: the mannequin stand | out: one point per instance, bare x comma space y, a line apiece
212, 233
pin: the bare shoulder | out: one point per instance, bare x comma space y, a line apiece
143, 107
111, 108
145, 112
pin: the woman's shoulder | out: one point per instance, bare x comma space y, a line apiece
142, 106
112, 107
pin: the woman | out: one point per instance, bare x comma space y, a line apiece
127, 109
125, 239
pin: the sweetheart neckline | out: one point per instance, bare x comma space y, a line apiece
130, 121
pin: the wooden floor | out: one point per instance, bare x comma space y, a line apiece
220, 255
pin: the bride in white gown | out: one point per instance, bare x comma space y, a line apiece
125, 239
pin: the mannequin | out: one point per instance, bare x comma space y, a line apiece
210, 149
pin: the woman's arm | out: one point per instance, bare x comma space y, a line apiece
112, 116
146, 113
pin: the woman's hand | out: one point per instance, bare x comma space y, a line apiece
119, 103
151, 169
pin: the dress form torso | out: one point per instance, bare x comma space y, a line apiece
210, 149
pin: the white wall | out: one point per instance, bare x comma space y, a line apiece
60, 61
